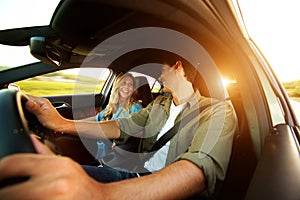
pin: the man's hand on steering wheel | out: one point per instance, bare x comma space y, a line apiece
47, 115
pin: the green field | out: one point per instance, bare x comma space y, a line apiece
52, 88
58, 83
293, 89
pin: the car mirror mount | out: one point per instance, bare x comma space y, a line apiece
44, 52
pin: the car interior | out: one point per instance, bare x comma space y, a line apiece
58, 45
78, 27
238, 176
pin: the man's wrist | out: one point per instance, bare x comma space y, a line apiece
66, 126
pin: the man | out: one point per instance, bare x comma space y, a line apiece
185, 166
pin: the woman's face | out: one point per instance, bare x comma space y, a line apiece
126, 88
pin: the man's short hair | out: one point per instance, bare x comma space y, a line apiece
189, 69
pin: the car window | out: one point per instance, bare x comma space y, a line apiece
15, 56
153, 83
66, 82
13, 14
275, 107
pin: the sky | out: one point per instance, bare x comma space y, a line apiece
271, 23
22, 15
274, 26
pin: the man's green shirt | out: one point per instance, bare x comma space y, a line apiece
206, 140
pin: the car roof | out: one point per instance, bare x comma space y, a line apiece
77, 26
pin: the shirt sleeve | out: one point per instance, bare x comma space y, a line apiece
211, 151
135, 108
99, 116
134, 124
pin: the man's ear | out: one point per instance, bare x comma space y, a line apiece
179, 68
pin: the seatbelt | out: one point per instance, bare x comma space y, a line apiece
172, 132
117, 159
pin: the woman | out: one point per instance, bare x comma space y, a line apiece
122, 99
121, 103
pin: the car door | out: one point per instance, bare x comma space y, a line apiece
76, 93
279, 156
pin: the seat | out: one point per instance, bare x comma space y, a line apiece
143, 94
243, 160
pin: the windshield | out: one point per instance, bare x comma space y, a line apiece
13, 14
272, 25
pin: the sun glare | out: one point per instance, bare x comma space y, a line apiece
272, 25
226, 82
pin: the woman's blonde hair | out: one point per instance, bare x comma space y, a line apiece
113, 103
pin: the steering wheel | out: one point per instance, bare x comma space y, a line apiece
17, 123
14, 134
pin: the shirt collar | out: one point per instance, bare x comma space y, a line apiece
192, 101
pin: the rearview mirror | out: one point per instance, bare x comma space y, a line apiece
44, 52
